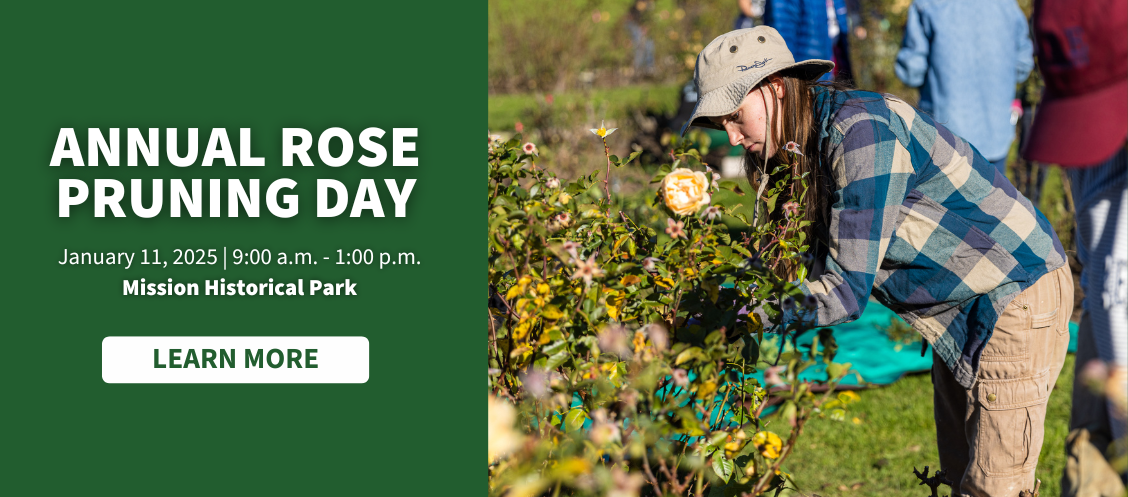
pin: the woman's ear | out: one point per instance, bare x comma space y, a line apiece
778, 86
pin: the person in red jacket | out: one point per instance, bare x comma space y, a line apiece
1082, 125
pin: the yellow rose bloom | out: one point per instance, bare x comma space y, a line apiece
685, 191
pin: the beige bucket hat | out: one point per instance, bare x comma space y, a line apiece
734, 63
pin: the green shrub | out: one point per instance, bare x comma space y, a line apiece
619, 359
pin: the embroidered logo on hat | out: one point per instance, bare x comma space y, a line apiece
756, 65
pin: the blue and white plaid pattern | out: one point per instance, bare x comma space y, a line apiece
927, 224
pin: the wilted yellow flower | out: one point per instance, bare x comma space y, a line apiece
501, 435
769, 444
685, 191
615, 300
755, 325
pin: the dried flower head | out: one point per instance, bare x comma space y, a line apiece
680, 377
560, 221
791, 209
572, 248
603, 430
614, 339
711, 213
587, 269
675, 228
772, 377
535, 383
658, 336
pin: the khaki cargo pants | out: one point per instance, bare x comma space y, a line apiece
989, 437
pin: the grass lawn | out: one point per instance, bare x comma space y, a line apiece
608, 103
896, 433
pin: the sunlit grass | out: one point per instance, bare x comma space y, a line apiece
896, 433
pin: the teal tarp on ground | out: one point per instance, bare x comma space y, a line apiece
877, 359
866, 346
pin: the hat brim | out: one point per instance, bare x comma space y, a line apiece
1079, 130
725, 100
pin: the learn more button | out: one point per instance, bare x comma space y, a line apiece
235, 360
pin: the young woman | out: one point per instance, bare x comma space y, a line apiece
913, 215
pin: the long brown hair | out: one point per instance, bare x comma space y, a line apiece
792, 120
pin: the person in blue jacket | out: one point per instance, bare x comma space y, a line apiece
813, 30
966, 56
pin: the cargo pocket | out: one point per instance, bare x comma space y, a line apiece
1011, 423
1010, 340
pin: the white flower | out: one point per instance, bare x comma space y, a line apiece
529, 148
793, 148
711, 213
602, 132
552, 182
716, 181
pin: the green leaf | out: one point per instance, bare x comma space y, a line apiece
751, 351
722, 467
575, 419
731, 186
555, 347
554, 361
690, 354
836, 370
634, 155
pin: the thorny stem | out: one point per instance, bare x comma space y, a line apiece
650, 474
606, 184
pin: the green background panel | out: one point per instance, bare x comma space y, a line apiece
266, 66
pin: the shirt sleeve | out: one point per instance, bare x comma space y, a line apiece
1024, 49
872, 171
912, 59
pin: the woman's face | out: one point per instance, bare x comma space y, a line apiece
748, 126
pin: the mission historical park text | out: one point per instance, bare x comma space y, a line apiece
224, 288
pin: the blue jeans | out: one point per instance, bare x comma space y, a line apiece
1100, 197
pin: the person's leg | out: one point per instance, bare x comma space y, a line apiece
1100, 197
1101, 200
1018, 369
1086, 471
949, 410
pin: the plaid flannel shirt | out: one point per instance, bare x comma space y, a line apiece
921, 219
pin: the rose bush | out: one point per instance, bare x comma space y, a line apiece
621, 362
